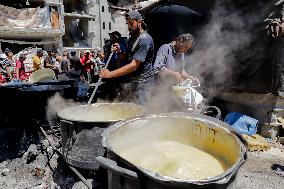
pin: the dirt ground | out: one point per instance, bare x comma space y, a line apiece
32, 171
257, 172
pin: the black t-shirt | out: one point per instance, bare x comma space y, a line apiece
50, 60
142, 48
75, 63
65, 63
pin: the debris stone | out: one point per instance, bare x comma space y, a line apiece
5, 172
39, 172
81, 185
278, 169
256, 143
31, 154
40, 186
4, 164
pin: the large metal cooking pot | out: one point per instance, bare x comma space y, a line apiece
82, 126
205, 133
29, 97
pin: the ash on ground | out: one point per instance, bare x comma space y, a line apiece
38, 168
41, 168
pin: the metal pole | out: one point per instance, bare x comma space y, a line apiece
99, 81
59, 153
100, 22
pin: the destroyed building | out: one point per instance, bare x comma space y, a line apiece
57, 24
27, 23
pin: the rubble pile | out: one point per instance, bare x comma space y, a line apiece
256, 143
38, 168
277, 145
18, 17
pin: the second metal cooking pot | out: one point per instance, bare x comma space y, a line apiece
204, 133
82, 126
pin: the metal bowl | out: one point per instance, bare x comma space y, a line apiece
178, 91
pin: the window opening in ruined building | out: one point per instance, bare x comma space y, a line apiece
103, 8
109, 26
104, 25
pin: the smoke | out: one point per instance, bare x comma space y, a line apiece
56, 104
222, 43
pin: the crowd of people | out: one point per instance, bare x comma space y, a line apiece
67, 65
133, 65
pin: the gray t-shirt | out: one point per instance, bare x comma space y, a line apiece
142, 48
167, 58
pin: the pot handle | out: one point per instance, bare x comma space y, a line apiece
112, 165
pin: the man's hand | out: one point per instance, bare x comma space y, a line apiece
184, 75
115, 48
177, 77
105, 73
275, 28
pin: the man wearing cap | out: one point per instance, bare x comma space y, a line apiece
74, 60
117, 61
37, 59
140, 55
115, 37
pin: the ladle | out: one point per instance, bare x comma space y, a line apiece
99, 81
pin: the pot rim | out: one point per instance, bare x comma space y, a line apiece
219, 179
59, 114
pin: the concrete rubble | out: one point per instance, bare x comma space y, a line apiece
33, 170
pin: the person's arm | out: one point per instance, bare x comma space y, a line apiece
165, 72
127, 69
139, 57
18, 66
17, 73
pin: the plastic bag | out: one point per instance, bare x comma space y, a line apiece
83, 88
192, 98
241, 123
